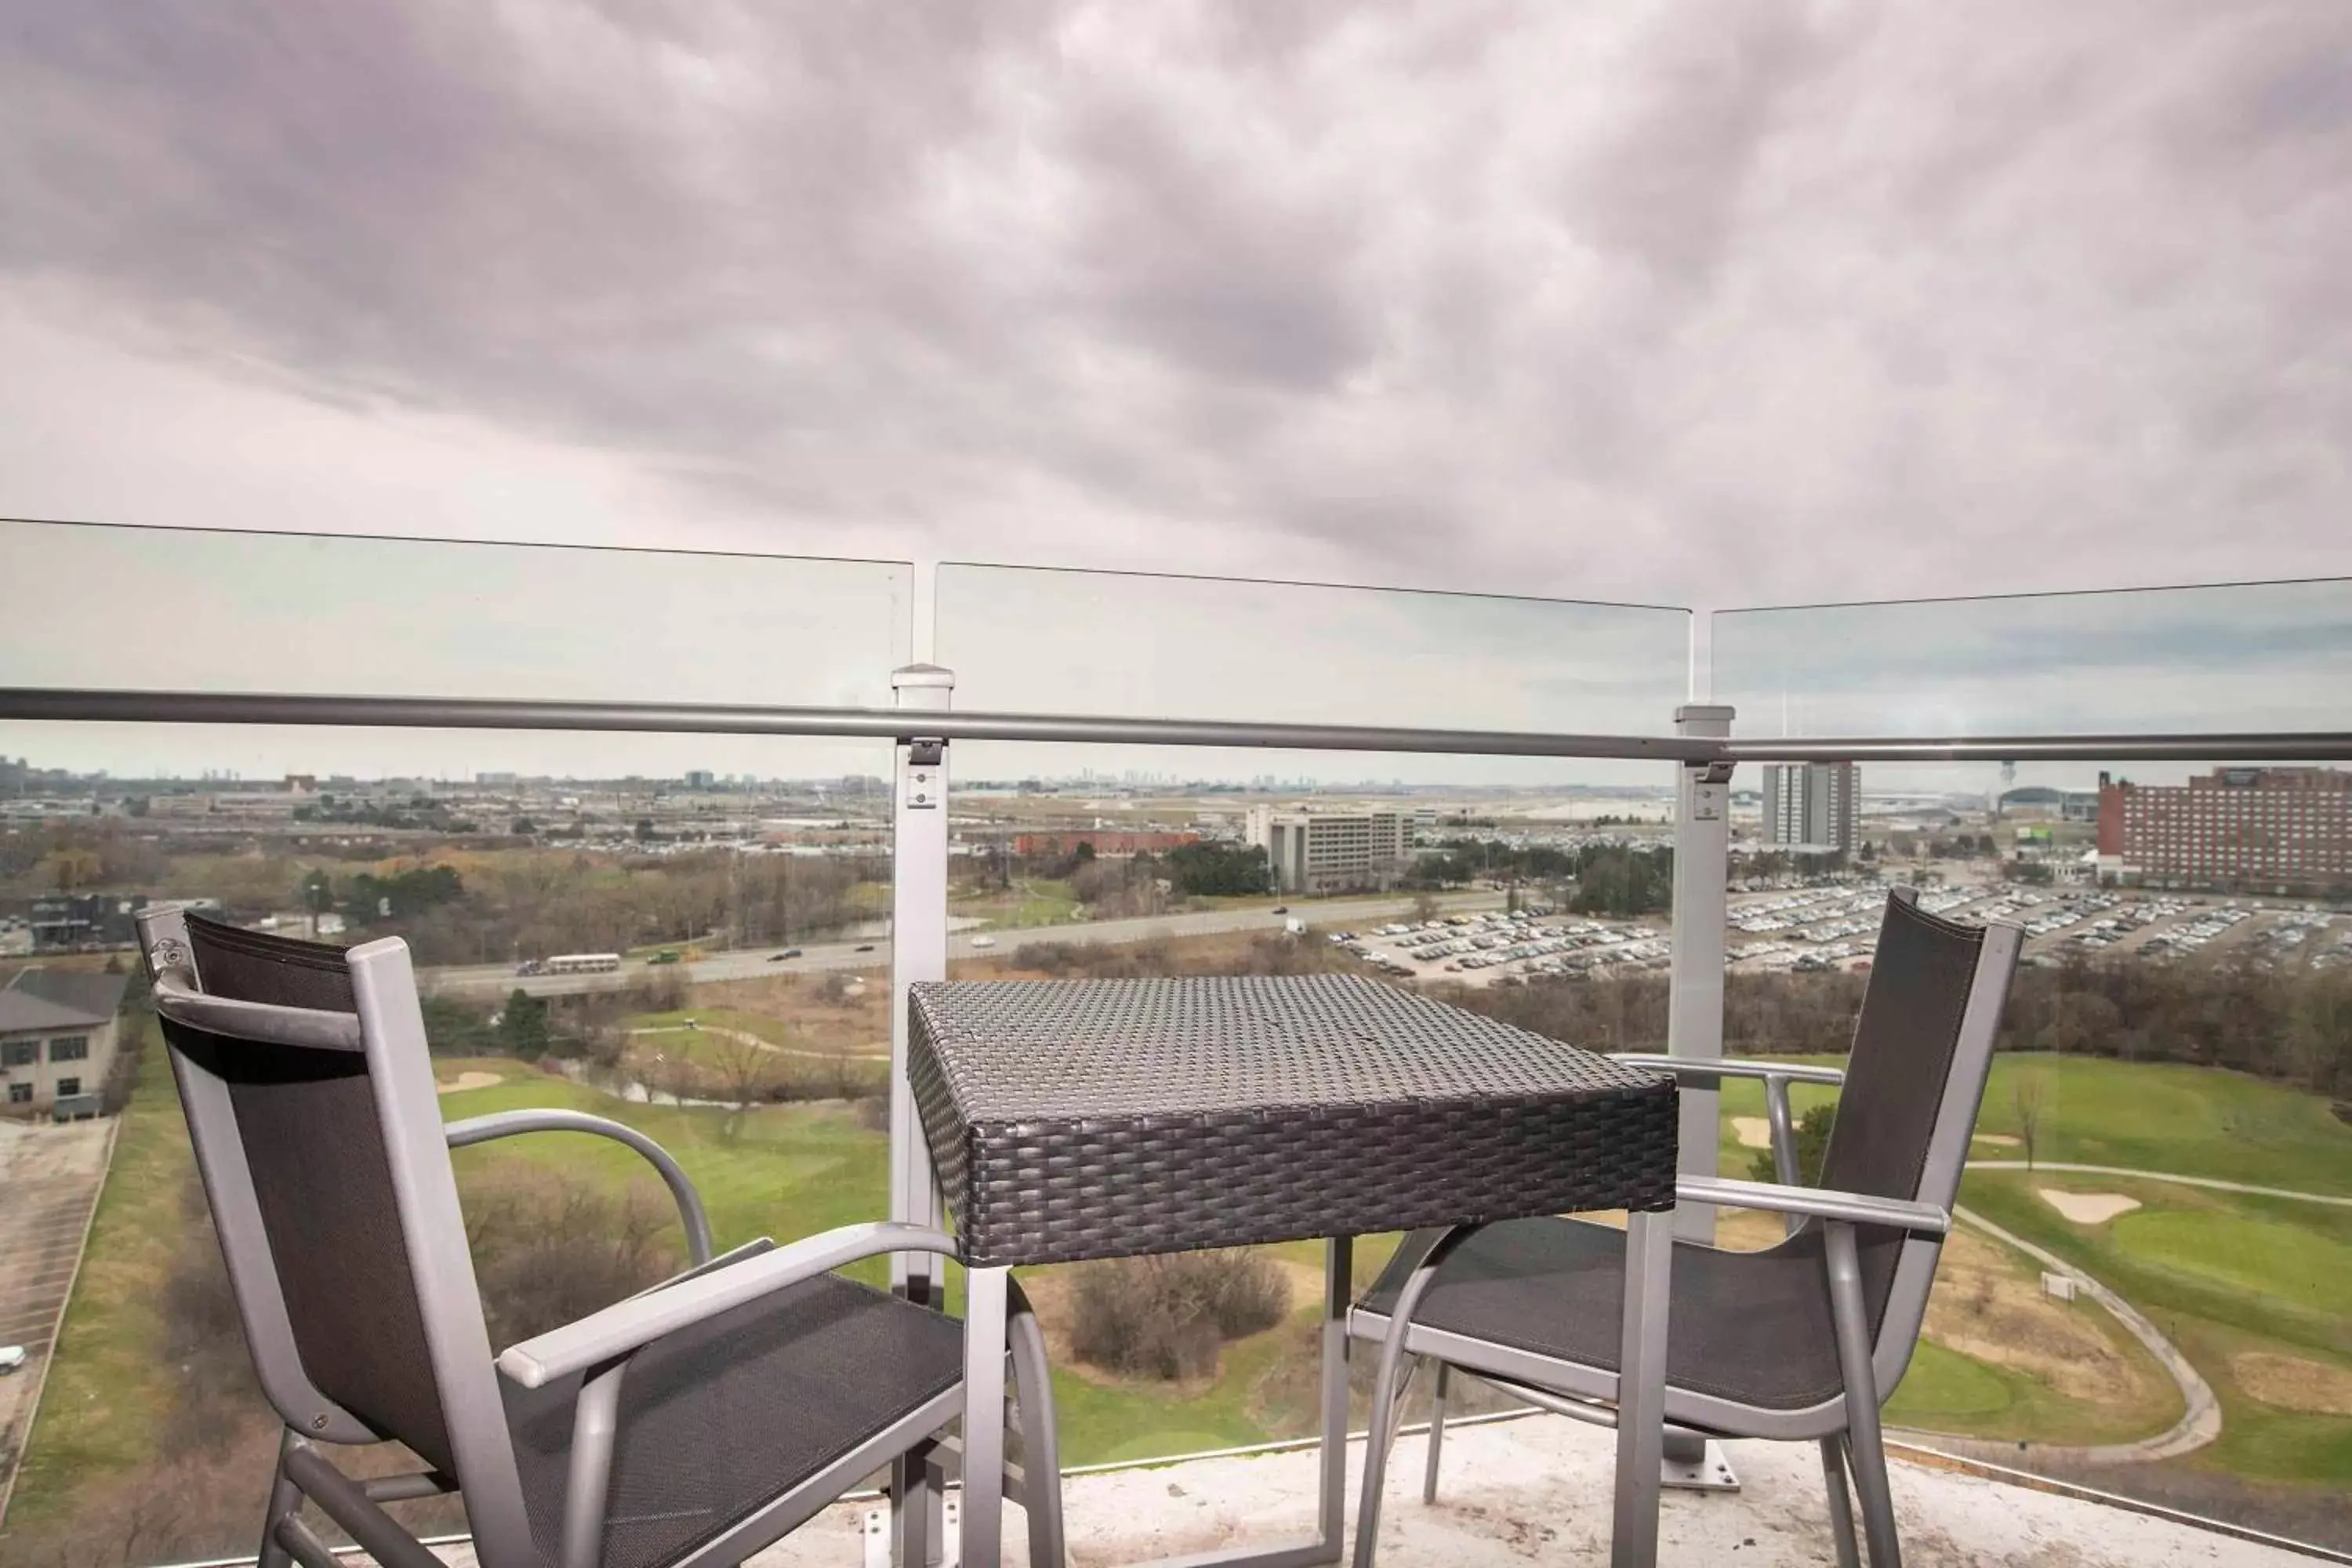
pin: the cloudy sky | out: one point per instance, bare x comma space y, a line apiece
1668, 304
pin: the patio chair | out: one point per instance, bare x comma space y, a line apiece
693, 1423
1804, 1339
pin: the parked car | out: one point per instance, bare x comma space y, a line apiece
11, 1358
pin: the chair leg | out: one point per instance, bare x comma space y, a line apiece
1436, 1431
1848, 1556
1384, 1390
285, 1497
1865, 1446
1041, 1454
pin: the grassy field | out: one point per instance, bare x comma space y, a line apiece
1034, 902
2145, 1116
110, 1366
2225, 1275
2222, 1275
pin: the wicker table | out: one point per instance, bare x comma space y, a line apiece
1073, 1119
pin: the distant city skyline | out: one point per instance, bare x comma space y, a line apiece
302, 614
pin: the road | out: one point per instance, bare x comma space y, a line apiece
500, 979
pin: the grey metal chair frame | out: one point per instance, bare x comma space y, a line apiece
388, 1030
1847, 1424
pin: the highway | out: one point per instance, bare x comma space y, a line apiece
1347, 913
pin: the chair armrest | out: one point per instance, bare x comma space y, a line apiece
506, 1123
1734, 1067
1854, 1208
616, 1331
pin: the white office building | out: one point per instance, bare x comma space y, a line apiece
1811, 805
1330, 851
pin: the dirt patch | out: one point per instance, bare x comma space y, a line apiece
2290, 1382
1983, 1306
2087, 1208
1998, 1140
466, 1080
1753, 1131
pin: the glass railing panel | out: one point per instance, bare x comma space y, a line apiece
2227, 660
688, 932
1135, 646
201, 610
2169, 1116
706, 961
1487, 886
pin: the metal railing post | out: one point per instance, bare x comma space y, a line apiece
918, 943
1695, 1014
1694, 1007
919, 952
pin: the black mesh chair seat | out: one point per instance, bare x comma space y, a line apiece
1752, 1327
718, 1419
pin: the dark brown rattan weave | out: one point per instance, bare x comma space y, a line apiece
1111, 1118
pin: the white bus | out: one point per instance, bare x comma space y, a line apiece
584, 963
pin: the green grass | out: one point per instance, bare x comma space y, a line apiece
760, 1026
2242, 1254
2218, 1273
2144, 1116
110, 1366
1039, 902
1943, 1386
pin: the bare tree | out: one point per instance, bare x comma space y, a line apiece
2025, 1094
1424, 907
746, 1069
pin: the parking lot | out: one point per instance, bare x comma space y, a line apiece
1813, 930
50, 1178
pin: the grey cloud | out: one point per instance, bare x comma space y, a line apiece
1788, 300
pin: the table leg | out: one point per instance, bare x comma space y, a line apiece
1642, 1388
1338, 1292
983, 1418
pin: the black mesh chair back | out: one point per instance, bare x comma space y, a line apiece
1905, 1043
1902, 1069
307, 1125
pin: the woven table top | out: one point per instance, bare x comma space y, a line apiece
1099, 1117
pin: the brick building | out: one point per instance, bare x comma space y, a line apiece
2279, 827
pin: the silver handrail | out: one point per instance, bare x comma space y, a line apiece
882, 723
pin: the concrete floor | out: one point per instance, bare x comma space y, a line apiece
1535, 1490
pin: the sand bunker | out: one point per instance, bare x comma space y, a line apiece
1753, 1131
466, 1080
1998, 1140
2290, 1382
2087, 1208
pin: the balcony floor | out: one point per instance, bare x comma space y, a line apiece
1535, 1490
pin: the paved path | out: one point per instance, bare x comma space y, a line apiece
2200, 1418
50, 1176
746, 1037
2173, 1176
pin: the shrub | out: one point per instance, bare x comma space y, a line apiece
1813, 1130
1164, 1317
